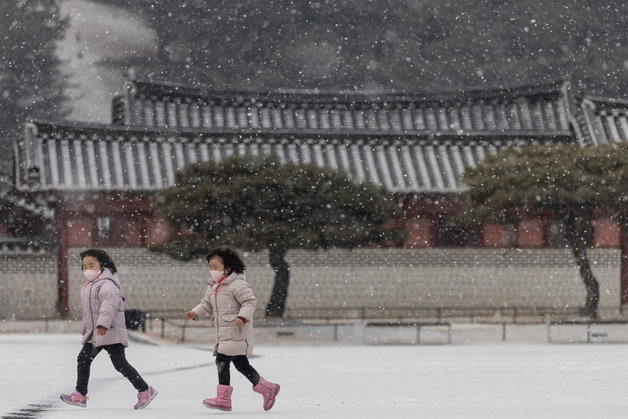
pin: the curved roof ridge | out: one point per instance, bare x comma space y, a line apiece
605, 100
199, 131
454, 93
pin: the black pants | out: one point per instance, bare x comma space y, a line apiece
116, 353
241, 362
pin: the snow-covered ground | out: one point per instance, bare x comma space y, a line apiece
450, 381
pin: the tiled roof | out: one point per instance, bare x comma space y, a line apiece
7, 197
602, 121
82, 157
542, 109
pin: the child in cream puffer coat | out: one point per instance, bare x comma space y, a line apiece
230, 300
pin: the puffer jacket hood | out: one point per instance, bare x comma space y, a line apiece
229, 279
106, 274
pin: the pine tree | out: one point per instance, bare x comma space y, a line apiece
260, 203
564, 181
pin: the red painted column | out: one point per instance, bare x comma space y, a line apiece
492, 235
606, 232
623, 273
420, 234
531, 233
62, 260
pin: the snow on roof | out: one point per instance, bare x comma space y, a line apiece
602, 121
92, 157
540, 108
410, 142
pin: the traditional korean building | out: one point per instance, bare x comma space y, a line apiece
602, 121
100, 177
24, 223
414, 144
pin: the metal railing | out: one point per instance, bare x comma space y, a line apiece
439, 314
377, 331
185, 324
409, 314
589, 325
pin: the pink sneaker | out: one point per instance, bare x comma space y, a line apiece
145, 397
222, 401
268, 390
75, 399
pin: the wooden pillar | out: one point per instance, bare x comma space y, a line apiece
492, 235
420, 234
531, 233
623, 266
62, 260
606, 232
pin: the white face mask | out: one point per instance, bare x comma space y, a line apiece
216, 275
91, 275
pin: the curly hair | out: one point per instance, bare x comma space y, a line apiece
103, 258
230, 258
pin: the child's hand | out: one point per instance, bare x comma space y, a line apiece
239, 322
101, 330
191, 315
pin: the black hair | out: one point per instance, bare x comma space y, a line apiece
103, 258
230, 258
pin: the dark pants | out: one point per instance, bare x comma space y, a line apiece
116, 353
241, 362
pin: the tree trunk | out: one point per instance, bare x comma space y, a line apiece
576, 239
277, 304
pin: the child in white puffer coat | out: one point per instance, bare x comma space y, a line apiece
230, 300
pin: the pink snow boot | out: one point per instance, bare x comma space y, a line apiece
268, 390
222, 401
